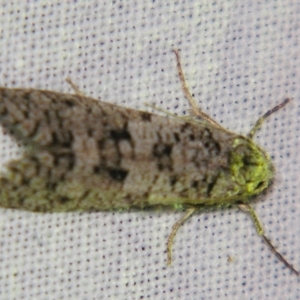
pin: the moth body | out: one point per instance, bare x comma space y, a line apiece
83, 154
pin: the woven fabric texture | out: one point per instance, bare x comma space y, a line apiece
240, 59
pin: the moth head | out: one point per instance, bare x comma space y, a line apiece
250, 166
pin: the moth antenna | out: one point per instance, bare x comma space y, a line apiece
259, 122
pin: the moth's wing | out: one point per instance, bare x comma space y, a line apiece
34, 117
85, 154
71, 149
80, 153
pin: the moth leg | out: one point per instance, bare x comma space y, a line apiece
74, 87
175, 228
196, 111
260, 231
263, 118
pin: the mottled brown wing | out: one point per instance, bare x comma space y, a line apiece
89, 155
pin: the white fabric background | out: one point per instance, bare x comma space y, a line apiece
240, 59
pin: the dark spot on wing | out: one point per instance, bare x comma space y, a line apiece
70, 103
118, 174
90, 132
101, 144
146, 116
173, 180
55, 139
64, 141
160, 150
195, 184
210, 142
63, 199
210, 185
3, 111
97, 169
192, 137
213, 147
27, 96
185, 126
176, 137
122, 134
62, 159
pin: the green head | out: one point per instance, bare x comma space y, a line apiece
250, 166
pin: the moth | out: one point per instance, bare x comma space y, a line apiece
87, 155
